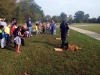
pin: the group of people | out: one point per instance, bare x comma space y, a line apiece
13, 33
48, 28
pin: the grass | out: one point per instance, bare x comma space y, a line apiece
39, 58
91, 27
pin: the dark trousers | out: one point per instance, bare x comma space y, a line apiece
43, 30
52, 31
63, 38
7, 37
22, 42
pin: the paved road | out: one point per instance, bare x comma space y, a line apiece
86, 32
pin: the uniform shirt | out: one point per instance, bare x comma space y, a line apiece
64, 28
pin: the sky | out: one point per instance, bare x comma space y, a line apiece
70, 7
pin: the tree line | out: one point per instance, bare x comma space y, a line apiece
20, 10
23, 9
79, 17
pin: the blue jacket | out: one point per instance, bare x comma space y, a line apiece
2, 34
52, 26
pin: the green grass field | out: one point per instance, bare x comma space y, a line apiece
91, 27
37, 57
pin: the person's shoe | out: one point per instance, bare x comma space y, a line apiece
3, 48
61, 47
31, 35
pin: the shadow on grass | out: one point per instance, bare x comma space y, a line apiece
48, 43
10, 48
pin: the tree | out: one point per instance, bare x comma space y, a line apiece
79, 16
93, 20
30, 9
57, 19
86, 18
98, 20
18, 13
7, 8
63, 16
70, 18
47, 18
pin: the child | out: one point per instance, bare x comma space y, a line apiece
12, 29
54, 29
43, 28
47, 28
7, 33
2, 37
36, 29
17, 39
27, 34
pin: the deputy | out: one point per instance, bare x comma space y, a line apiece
64, 29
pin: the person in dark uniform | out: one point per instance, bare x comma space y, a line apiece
64, 32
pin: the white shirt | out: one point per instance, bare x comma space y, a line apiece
47, 25
4, 24
0, 22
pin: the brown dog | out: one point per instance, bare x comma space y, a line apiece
73, 47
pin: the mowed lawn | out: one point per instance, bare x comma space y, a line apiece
37, 57
91, 27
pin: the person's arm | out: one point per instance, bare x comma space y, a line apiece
20, 34
68, 30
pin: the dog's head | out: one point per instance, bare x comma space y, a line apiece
69, 45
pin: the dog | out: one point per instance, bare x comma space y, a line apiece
72, 47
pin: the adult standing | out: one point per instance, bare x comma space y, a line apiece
3, 22
14, 21
0, 21
29, 25
52, 27
64, 32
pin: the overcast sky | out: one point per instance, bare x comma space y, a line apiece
55, 7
